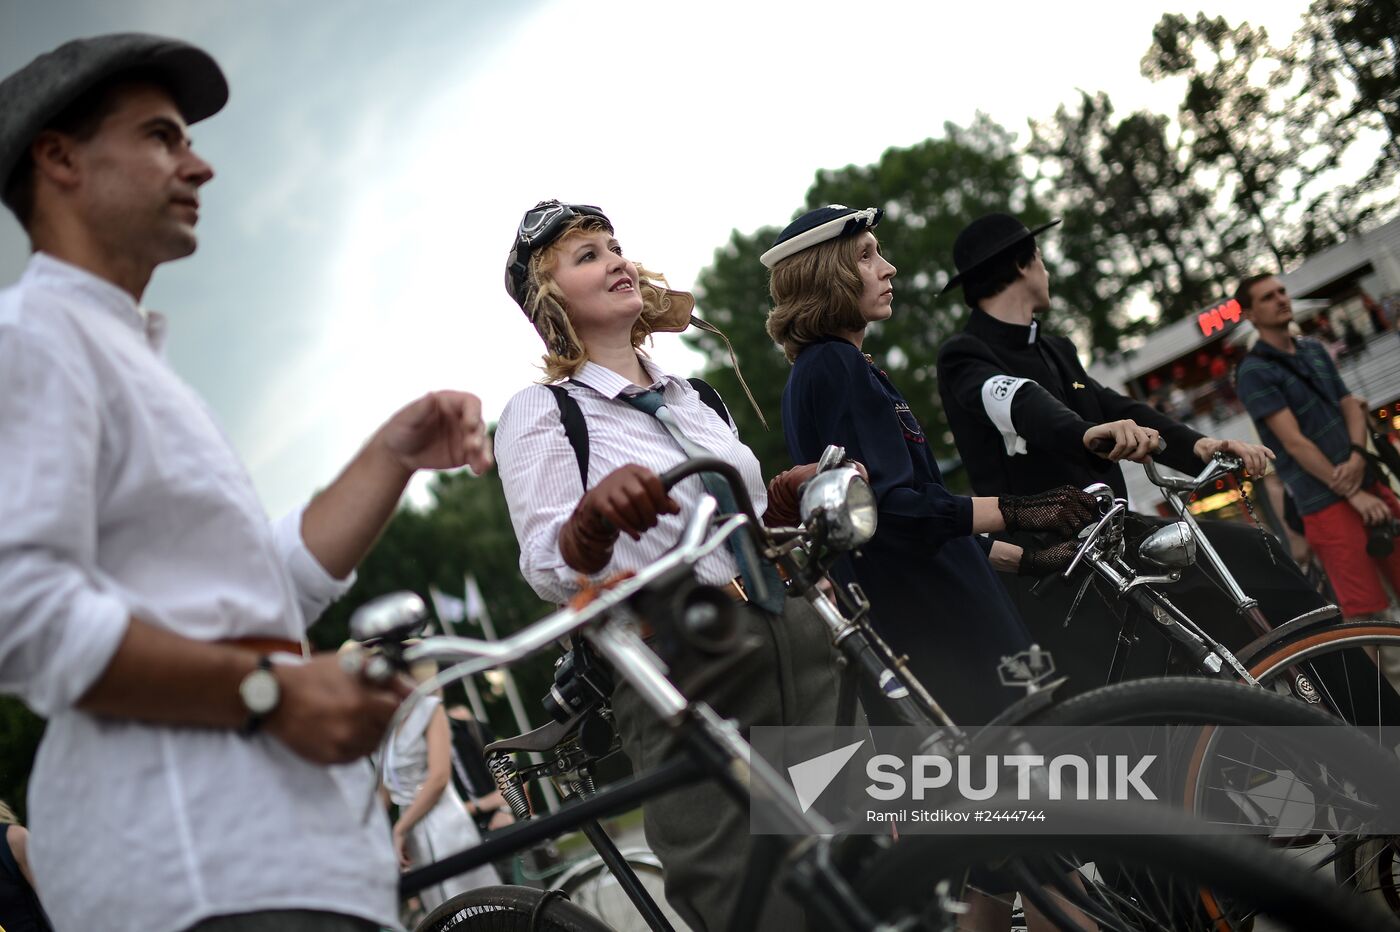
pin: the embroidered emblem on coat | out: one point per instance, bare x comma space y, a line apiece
912, 431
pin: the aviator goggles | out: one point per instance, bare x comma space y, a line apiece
541, 226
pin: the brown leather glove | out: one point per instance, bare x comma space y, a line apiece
628, 499
1065, 511
1047, 560
785, 496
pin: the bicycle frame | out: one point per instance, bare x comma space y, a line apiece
716, 749
1102, 551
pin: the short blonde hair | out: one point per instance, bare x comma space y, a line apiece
816, 293
565, 354
7, 816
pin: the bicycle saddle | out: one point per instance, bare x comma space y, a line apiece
541, 739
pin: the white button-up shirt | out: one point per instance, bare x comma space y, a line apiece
539, 471
120, 497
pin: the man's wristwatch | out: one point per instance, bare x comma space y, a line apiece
260, 693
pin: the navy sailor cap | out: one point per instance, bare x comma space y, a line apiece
818, 226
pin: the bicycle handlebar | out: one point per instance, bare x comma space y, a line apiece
1104, 445
727, 471
1219, 465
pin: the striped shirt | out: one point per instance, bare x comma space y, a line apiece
1268, 382
539, 470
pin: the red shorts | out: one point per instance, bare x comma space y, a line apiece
1338, 537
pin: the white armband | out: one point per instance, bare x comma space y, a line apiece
997, 393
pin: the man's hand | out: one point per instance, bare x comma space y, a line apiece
1255, 456
1130, 440
630, 498
1371, 509
441, 430
1346, 477
329, 716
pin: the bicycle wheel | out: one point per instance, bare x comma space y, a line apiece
510, 909
591, 886
1144, 876
1338, 667
1292, 790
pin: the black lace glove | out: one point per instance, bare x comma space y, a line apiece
1065, 511
1047, 560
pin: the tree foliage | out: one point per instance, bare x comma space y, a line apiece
465, 529
929, 191
1136, 217
1345, 65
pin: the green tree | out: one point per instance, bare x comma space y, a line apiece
1228, 115
20, 731
929, 191
1344, 63
1136, 218
465, 528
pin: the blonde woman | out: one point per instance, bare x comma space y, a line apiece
433, 821
594, 309
20, 910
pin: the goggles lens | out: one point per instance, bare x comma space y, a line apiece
539, 227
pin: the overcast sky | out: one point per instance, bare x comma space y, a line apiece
375, 157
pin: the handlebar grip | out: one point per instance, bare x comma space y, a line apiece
1044, 583
727, 471
1104, 445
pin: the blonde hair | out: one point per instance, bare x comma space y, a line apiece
7, 815
816, 293
565, 354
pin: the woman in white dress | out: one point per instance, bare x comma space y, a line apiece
433, 822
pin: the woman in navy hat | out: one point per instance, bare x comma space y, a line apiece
933, 590
582, 517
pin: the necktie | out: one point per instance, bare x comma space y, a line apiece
761, 580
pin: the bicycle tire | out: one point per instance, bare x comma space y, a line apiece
1344, 677
510, 909
1143, 839
1365, 864
591, 887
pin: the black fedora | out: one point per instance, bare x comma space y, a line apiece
984, 239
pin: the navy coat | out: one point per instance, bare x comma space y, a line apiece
934, 595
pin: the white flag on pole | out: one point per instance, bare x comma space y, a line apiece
449, 608
475, 606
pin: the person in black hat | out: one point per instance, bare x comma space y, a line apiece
933, 592
1027, 417
151, 611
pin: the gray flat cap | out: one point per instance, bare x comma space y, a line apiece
39, 91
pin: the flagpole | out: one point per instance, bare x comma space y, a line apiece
517, 708
469, 684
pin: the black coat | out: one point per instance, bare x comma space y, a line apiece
1050, 411
1052, 402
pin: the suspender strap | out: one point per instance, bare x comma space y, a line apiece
576, 428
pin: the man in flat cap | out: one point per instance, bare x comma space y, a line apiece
1027, 417
199, 769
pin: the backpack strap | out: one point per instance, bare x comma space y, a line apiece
575, 428
707, 394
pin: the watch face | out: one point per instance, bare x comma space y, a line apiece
259, 691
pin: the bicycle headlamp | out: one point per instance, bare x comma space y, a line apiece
1172, 547
842, 504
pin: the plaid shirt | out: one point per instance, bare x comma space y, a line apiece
1270, 381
